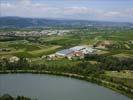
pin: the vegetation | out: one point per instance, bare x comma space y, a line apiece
112, 66
8, 97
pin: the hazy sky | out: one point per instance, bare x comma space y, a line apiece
110, 10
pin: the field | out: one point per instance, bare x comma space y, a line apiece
124, 77
112, 61
120, 43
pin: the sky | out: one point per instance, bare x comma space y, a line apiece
105, 10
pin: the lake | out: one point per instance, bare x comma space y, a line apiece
50, 87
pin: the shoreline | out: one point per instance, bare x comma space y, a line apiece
110, 85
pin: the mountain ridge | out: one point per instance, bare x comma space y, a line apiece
23, 22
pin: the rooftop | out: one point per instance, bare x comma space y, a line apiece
65, 52
77, 48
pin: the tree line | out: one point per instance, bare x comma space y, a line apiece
83, 66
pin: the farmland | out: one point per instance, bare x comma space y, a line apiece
125, 77
112, 61
120, 42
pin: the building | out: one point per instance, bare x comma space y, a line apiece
51, 57
77, 51
78, 48
88, 50
14, 59
65, 53
83, 49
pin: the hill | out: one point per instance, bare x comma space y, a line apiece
19, 22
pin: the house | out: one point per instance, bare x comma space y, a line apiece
83, 49
5, 49
78, 53
51, 57
14, 59
88, 50
65, 53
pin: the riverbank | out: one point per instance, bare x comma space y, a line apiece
116, 87
9, 97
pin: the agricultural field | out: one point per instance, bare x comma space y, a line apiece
118, 43
24, 48
125, 77
112, 61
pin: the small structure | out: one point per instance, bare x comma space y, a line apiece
88, 50
51, 57
78, 53
4, 50
14, 59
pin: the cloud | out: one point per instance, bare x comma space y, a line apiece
26, 8
24, 2
112, 14
76, 10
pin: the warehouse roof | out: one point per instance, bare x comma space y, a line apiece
65, 52
77, 48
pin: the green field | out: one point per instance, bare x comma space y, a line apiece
124, 77
32, 47
113, 61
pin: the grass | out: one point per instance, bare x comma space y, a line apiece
121, 74
124, 77
81, 37
11, 52
27, 47
121, 55
51, 44
44, 51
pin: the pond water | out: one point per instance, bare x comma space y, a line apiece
50, 87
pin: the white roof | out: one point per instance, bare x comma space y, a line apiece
65, 52
76, 48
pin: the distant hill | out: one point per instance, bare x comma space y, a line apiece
18, 22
